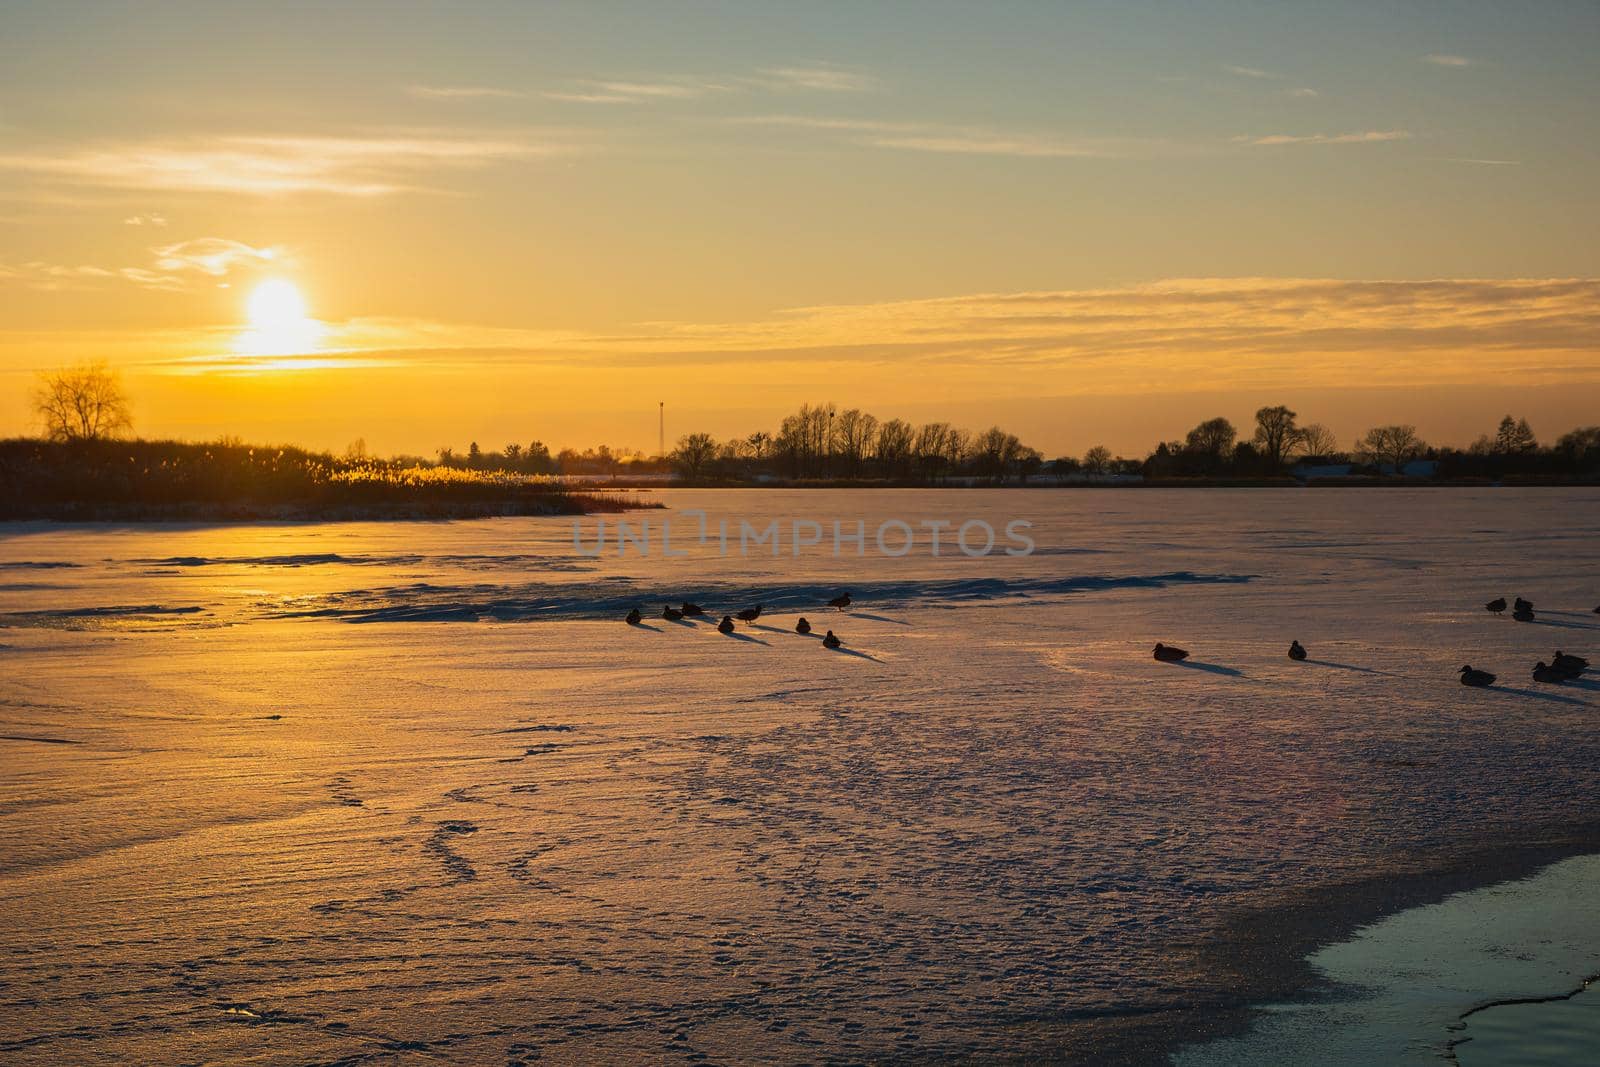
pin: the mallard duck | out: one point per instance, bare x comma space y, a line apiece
749, 614
1576, 664
671, 614
634, 618
726, 625
1496, 605
1523, 613
1476, 679
1169, 654
1297, 651
831, 641
802, 627
692, 609
1548, 675
841, 601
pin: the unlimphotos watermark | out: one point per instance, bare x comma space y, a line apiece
792, 536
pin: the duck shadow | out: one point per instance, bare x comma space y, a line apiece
856, 654
878, 618
1345, 666
1211, 668
1564, 625
737, 636
768, 629
1537, 695
685, 623
646, 626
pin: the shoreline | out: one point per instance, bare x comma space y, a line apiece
1262, 952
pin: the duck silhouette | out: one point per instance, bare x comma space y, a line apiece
1522, 605
726, 625
1523, 614
841, 601
1297, 651
1548, 675
802, 627
749, 614
1169, 654
1496, 605
1476, 679
692, 609
1576, 664
671, 614
634, 618
831, 641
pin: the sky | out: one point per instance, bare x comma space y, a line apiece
424, 224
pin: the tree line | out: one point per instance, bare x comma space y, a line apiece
820, 442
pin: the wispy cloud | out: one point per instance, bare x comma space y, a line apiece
172, 267
1440, 60
361, 166
1303, 93
151, 219
215, 256
977, 144
1361, 137
624, 92
460, 92
1486, 162
951, 140
820, 77
1248, 72
1207, 333
828, 79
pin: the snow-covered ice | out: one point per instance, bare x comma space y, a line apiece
360, 792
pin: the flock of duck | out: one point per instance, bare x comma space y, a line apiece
1561, 668
746, 616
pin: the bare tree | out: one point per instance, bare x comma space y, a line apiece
896, 440
1395, 445
694, 453
82, 403
1316, 440
1212, 438
1276, 433
1097, 460
853, 438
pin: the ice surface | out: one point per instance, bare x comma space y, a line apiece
492, 823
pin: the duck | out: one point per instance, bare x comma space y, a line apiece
692, 609
1297, 651
1576, 664
1522, 605
1497, 605
1169, 654
749, 614
671, 614
841, 601
726, 625
831, 641
634, 618
803, 626
1523, 614
1548, 675
1476, 679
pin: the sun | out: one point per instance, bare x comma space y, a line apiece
279, 325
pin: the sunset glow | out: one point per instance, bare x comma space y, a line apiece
279, 325
1104, 237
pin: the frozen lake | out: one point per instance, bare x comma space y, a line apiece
370, 792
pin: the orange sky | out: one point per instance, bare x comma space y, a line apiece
1089, 225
